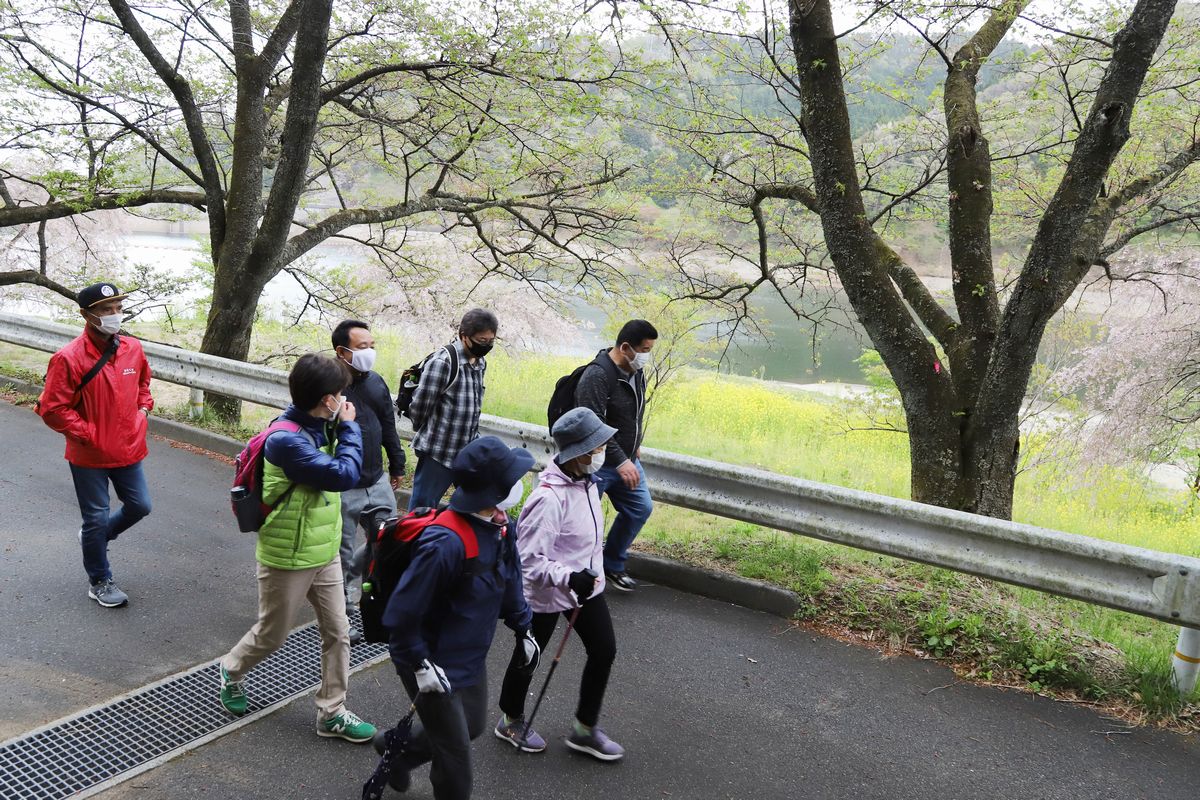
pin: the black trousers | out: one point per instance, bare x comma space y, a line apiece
595, 630
443, 732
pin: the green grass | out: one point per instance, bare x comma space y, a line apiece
1040, 640
1043, 641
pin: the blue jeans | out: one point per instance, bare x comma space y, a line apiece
99, 526
431, 479
633, 507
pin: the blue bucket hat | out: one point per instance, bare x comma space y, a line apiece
579, 431
484, 473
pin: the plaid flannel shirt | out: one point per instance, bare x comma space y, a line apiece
447, 420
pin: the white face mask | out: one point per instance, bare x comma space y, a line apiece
639, 361
514, 496
362, 360
594, 464
108, 324
337, 410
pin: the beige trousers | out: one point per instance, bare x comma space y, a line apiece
280, 593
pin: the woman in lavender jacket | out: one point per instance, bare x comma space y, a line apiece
561, 542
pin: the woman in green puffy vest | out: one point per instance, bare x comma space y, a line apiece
304, 473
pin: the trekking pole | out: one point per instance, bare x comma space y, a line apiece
553, 665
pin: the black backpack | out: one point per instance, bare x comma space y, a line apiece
410, 379
563, 398
390, 551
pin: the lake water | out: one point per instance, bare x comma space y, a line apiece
787, 353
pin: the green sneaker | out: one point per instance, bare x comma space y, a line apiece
346, 725
233, 696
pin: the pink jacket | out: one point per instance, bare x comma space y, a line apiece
560, 531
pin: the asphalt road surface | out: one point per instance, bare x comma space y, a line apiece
709, 700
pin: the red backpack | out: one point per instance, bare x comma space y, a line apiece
246, 494
390, 550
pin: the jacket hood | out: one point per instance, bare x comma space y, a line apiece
554, 475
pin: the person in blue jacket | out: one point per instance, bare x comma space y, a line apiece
303, 475
443, 616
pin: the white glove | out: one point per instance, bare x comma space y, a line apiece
530, 652
431, 679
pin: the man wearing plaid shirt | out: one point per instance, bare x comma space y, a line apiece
446, 405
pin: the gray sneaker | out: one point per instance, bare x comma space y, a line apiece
107, 594
596, 744
527, 740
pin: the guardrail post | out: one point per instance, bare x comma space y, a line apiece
1186, 663
195, 403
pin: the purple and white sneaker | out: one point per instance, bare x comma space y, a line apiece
596, 744
515, 733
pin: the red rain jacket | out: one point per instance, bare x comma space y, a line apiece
104, 428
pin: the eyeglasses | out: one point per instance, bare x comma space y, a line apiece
483, 342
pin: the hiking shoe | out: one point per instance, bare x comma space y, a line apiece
346, 725
527, 741
107, 594
620, 580
596, 744
398, 779
233, 695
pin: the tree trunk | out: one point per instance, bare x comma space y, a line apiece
250, 255
949, 469
230, 323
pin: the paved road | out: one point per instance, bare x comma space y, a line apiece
711, 701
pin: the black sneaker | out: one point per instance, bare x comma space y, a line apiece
356, 635
620, 581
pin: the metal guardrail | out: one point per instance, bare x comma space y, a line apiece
1162, 586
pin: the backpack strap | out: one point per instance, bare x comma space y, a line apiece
276, 426
452, 353
105, 357
455, 522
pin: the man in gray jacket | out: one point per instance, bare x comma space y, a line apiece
614, 386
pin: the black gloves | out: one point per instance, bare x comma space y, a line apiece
582, 583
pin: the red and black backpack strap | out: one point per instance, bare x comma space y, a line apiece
455, 522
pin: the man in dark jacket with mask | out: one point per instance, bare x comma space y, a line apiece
375, 495
614, 386
443, 616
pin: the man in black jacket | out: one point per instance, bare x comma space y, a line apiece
374, 496
614, 386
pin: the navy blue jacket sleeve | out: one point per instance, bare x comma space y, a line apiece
514, 609
302, 462
438, 560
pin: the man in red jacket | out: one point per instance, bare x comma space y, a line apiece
97, 394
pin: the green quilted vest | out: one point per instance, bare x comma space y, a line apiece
304, 529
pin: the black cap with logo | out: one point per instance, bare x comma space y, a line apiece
98, 293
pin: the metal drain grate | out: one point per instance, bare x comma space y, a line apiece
93, 747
